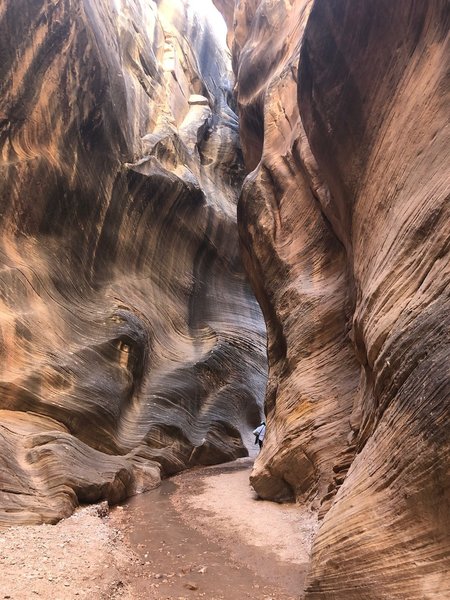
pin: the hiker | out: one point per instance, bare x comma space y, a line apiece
259, 433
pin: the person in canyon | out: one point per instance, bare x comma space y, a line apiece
259, 434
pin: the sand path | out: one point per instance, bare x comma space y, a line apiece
202, 535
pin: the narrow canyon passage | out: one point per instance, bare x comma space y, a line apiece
214, 212
205, 534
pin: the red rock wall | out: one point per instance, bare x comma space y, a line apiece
298, 269
375, 107
130, 341
344, 223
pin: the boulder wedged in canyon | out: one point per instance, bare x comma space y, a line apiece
344, 222
131, 344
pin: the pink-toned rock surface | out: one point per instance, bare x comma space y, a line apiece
374, 102
344, 222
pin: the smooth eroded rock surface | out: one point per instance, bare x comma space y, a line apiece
297, 265
130, 342
344, 220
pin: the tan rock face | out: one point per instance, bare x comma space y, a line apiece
384, 150
130, 341
344, 222
298, 268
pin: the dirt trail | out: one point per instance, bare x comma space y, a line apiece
285, 531
201, 535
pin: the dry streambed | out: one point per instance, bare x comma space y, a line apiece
201, 535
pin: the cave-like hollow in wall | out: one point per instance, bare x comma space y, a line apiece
210, 216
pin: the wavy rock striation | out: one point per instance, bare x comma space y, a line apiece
344, 221
297, 265
130, 342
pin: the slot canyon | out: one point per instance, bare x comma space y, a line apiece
214, 213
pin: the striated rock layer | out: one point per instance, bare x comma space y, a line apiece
130, 342
344, 222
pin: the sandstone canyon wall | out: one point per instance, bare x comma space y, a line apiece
345, 228
130, 341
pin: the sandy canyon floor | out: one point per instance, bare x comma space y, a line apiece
203, 534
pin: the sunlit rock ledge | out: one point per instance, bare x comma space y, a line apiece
131, 346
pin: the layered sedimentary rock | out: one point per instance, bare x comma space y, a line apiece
297, 265
130, 341
344, 221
